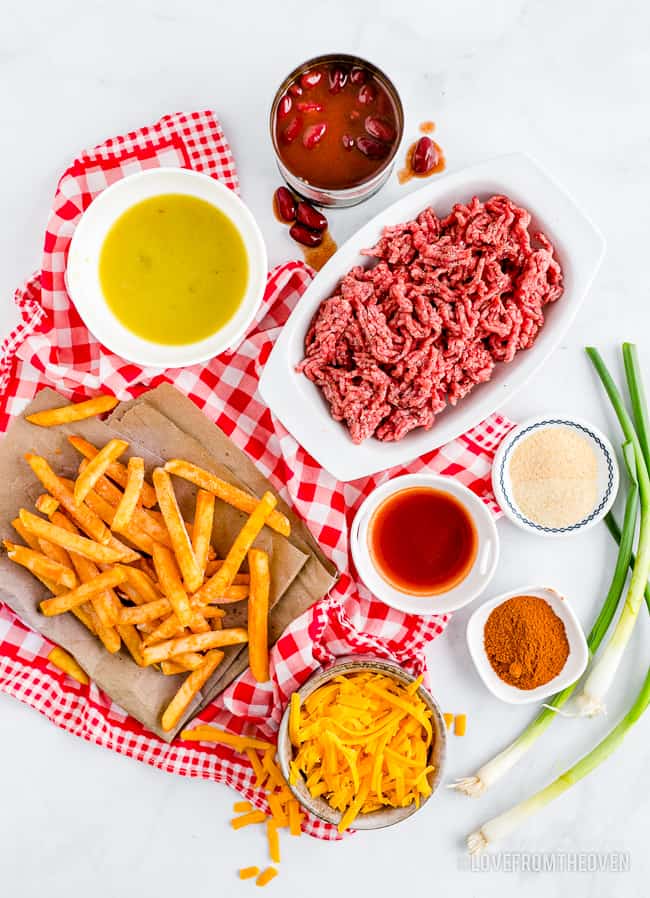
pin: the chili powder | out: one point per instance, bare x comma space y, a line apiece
526, 642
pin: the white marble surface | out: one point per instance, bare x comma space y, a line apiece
565, 82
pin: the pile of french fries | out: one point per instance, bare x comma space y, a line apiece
115, 551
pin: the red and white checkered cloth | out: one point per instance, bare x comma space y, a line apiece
51, 347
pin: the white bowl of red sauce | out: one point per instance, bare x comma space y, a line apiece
424, 544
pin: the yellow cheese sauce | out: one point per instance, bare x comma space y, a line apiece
173, 269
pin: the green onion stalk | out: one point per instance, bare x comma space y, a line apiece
491, 772
591, 700
501, 826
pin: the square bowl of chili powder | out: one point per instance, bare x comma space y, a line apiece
527, 644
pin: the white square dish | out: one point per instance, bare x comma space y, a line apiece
574, 666
298, 403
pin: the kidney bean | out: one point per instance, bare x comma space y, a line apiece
309, 106
310, 217
379, 128
284, 106
367, 94
292, 130
303, 235
295, 90
372, 148
348, 141
285, 204
313, 135
424, 157
358, 75
310, 79
338, 80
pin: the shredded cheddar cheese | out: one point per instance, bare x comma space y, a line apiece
362, 742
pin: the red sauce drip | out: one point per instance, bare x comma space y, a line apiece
422, 541
317, 256
336, 137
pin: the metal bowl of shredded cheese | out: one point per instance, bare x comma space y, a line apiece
554, 475
362, 744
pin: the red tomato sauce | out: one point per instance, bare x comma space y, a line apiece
422, 541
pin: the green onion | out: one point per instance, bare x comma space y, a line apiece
505, 823
591, 700
497, 767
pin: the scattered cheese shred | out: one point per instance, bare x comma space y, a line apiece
273, 840
248, 819
362, 742
449, 719
266, 876
460, 724
248, 872
240, 807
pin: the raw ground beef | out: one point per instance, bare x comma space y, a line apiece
446, 300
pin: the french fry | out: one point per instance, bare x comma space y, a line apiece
207, 733
143, 583
188, 664
25, 535
84, 517
132, 491
258, 614
192, 573
142, 614
76, 411
41, 565
116, 470
226, 492
106, 512
65, 662
131, 639
213, 567
192, 684
105, 605
202, 527
196, 642
216, 585
46, 504
169, 628
230, 594
81, 594
55, 552
73, 542
170, 583
97, 468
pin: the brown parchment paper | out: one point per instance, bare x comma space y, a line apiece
161, 424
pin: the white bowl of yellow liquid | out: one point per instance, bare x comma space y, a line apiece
167, 268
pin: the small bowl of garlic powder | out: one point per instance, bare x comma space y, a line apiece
555, 475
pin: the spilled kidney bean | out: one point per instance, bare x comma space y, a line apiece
284, 106
348, 141
295, 89
309, 106
367, 94
379, 128
310, 79
285, 204
372, 148
312, 218
338, 80
305, 236
358, 75
425, 156
292, 130
313, 135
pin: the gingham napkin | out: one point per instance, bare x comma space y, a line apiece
51, 347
